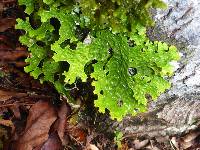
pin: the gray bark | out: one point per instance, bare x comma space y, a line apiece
177, 110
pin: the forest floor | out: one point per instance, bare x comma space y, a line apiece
35, 116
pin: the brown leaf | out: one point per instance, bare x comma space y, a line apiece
77, 133
12, 55
53, 143
61, 123
41, 117
16, 111
191, 136
6, 43
189, 141
6, 23
6, 95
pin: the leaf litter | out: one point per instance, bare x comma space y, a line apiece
41, 117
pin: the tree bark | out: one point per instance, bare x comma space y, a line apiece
176, 111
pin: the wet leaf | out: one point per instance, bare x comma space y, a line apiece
41, 117
53, 143
61, 123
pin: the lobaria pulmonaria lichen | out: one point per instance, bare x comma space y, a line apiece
126, 65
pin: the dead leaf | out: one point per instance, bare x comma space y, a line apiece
6, 43
186, 145
91, 147
16, 111
6, 95
191, 136
6, 23
12, 55
189, 141
53, 143
78, 134
61, 123
41, 117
